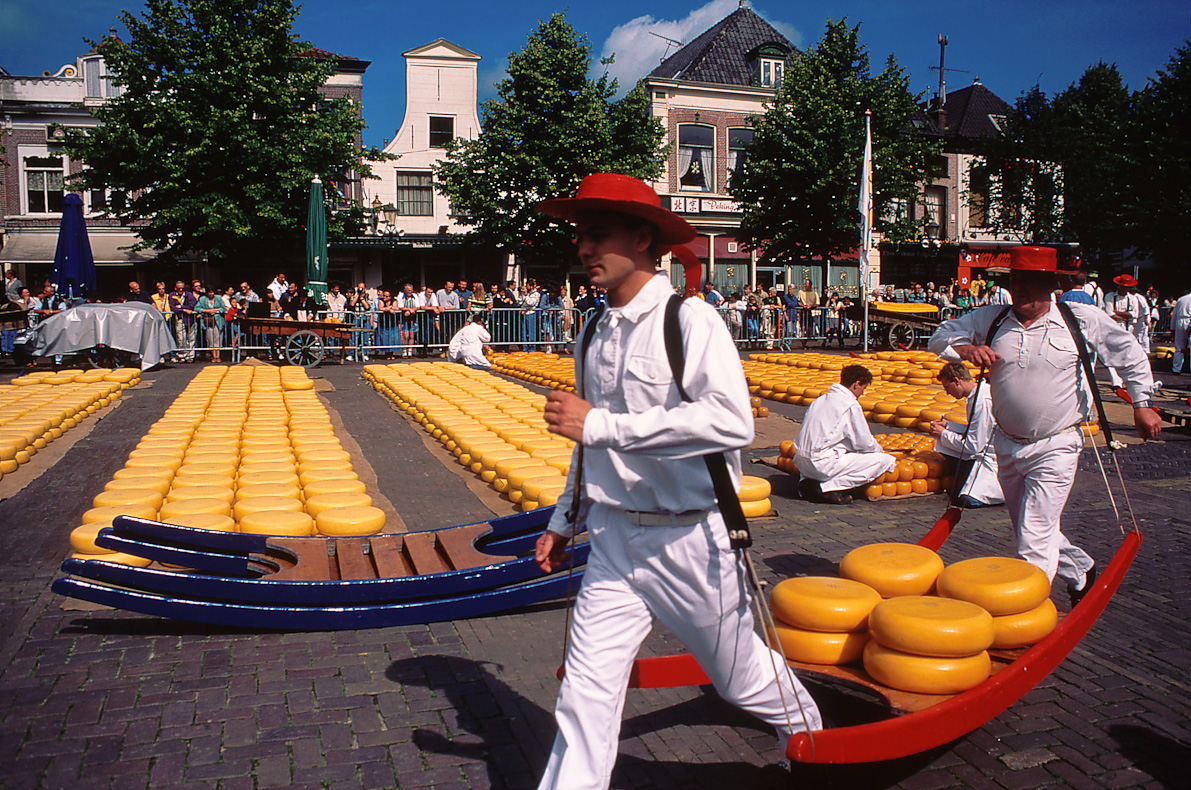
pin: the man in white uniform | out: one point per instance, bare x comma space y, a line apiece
1040, 398
998, 295
467, 345
1128, 309
836, 451
968, 447
659, 545
1180, 321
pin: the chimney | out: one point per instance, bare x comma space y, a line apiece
939, 116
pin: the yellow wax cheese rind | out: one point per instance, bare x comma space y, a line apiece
893, 569
754, 488
1025, 628
353, 520
823, 603
925, 674
819, 647
277, 522
756, 508
1001, 585
931, 626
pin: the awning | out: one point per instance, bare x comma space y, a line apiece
33, 247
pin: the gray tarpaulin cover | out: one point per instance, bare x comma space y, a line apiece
132, 326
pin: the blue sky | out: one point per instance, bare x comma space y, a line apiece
1010, 45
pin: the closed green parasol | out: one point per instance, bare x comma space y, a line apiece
316, 245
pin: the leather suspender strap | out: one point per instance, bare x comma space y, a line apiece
588, 333
717, 464
1085, 359
996, 324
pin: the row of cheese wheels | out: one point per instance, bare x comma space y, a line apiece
36, 408
247, 448
492, 426
913, 474
881, 611
535, 367
909, 367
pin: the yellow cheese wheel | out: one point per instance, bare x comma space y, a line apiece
1026, 628
224, 493
754, 488
334, 486
104, 515
119, 557
164, 473
268, 489
256, 504
823, 603
925, 674
533, 487
819, 647
215, 522
313, 455
207, 469
756, 508
267, 478
885, 407
272, 457
187, 481
312, 466
327, 474
82, 539
183, 507
254, 467
320, 502
141, 483
154, 461
931, 626
893, 568
211, 457
277, 522
355, 520
128, 497
1002, 585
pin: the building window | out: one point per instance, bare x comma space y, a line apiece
442, 131
696, 157
771, 72
739, 141
933, 216
96, 80
45, 179
415, 195
978, 198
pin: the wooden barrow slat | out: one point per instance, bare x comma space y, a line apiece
458, 546
388, 557
422, 554
353, 563
311, 561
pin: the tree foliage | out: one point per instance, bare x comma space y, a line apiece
219, 129
800, 185
1158, 207
549, 126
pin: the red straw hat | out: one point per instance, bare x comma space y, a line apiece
1033, 259
1125, 281
623, 195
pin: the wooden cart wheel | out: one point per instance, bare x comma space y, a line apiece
304, 349
902, 336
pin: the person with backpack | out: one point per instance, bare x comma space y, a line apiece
661, 413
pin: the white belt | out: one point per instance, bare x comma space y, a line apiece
1024, 440
645, 518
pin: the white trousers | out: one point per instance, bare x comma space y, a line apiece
1180, 343
691, 581
845, 471
1036, 480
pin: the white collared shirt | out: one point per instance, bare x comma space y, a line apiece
834, 425
467, 345
1182, 310
643, 445
1038, 386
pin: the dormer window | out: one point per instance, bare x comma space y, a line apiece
768, 65
96, 81
771, 72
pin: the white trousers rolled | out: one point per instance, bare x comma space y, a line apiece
1180, 344
690, 580
1036, 480
846, 471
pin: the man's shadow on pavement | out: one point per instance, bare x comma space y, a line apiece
512, 735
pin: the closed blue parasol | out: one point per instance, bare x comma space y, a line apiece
74, 267
316, 244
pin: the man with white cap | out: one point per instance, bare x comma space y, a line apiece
659, 546
1040, 397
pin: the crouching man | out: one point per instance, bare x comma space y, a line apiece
967, 450
836, 450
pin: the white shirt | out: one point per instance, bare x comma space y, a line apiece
446, 300
644, 445
999, 296
336, 304
277, 288
1182, 310
982, 484
833, 426
1117, 302
413, 301
467, 345
1096, 292
1038, 385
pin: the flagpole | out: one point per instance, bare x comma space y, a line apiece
866, 216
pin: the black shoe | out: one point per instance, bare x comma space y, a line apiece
836, 498
1077, 595
809, 489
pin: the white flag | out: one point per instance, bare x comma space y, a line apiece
866, 199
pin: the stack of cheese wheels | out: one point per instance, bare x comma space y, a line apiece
785, 457
929, 645
759, 409
754, 496
1014, 592
822, 620
893, 569
493, 427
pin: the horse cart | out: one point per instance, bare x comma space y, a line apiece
302, 343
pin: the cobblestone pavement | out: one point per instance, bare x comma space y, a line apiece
98, 699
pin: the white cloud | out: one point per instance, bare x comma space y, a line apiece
637, 52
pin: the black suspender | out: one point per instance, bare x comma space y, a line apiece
588, 333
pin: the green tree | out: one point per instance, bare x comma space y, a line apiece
800, 185
1023, 169
548, 127
219, 129
1158, 206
